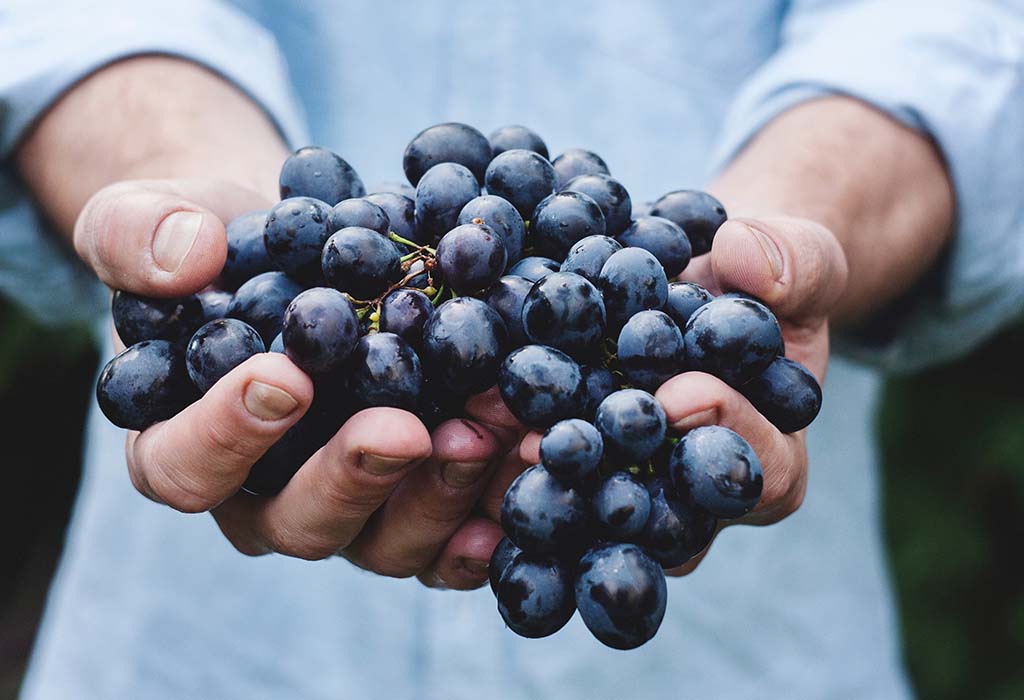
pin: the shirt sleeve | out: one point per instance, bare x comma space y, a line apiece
45, 48
953, 70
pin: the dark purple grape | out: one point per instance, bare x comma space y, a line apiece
384, 370
697, 213
506, 297
508, 138
362, 213
463, 345
676, 530
544, 516
621, 595
683, 299
138, 318
534, 268
217, 348
718, 470
215, 303
294, 235
610, 195
562, 219
588, 256
320, 330
541, 386
598, 382
261, 302
733, 339
621, 506
664, 239
247, 254
577, 161
571, 450
632, 424
501, 557
786, 393
144, 384
361, 262
522, 177
404, 312
441, 194
316, 172
401, 211
471, 258
446, 143
631, 281
650, 350
535, 596
503, 219
565, 311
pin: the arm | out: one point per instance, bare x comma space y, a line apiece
208, 153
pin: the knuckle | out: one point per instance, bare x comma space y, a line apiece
386, 565
302, 546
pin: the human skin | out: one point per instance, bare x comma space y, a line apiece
811, 197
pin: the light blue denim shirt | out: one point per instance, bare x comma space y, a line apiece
149, 603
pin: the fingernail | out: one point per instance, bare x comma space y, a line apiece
476, 566
382, 466
459, 475
174, 237
708, 416
771, 252
268, 402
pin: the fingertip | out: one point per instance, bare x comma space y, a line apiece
744, 257
463, 563
387, 432
490, 408
529, 448
464, 441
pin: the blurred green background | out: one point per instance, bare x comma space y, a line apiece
954, 507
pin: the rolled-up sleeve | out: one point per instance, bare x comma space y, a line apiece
955, 71
46, 47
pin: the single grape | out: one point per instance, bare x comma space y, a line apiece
404, 312
541, 386
664, 239
535, 596
534, 268
401, 211
718, 470
294, 235
565, 311
463, 345
506, 297
621, 595
683, 299
577, 161
610, 195
144, 384
544, 516
446, 143
650, 350
360, 212
247, 255
138, 318
384, 370
631, 281
562, 219
522, 177
361, 262
632, 423
316, 172
471, 258
676, 530
261, 302
501, 557
733, 339
786, 393
508, 138
697, 213
598, 382
441, 194
320, 330
215, 303
277, 345
571, 450
621, 506
503, 219
587, 256
217, 348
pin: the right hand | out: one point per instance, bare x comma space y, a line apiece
166, 238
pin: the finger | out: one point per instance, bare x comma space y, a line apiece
201, 456
490, 410
529, 448
330, 498
694, 399
699, 271
430, 504
160, 237
510, 466
462, 564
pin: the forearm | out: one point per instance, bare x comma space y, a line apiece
147, 117
880, 187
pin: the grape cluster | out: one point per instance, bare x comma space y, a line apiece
500, 267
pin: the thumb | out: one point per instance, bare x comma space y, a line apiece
797, 267
161, 238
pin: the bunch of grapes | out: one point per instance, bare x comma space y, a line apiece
500, 267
